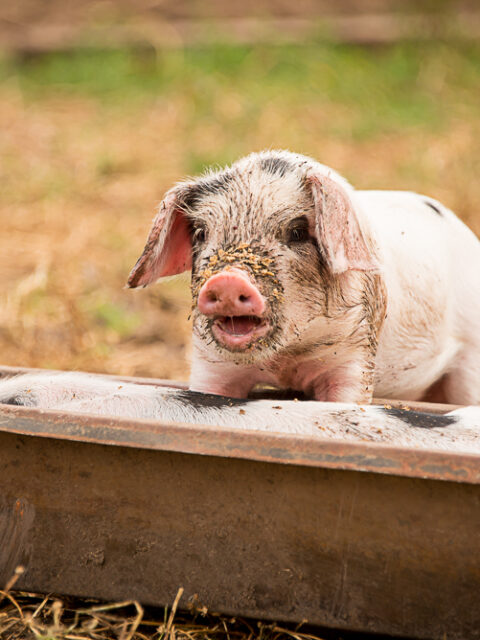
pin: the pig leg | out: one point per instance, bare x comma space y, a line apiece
353, 382
353, 379
462, 384
222, 378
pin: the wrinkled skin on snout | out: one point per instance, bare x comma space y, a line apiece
285, 285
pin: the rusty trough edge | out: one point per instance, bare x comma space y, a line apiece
280, 448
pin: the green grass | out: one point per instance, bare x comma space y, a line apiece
114, 317
382, 89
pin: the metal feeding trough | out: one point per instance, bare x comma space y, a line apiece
355, 536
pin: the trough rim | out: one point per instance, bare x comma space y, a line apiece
229, 442
254, 445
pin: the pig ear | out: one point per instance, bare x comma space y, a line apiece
169, 248
337, 228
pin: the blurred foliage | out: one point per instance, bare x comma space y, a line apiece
91, 139
408, 84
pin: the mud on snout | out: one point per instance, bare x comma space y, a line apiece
236, 298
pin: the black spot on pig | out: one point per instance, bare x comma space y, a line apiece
198, 400
14, 400
276, 166
218, 184
421, 420
435, 208
206, 187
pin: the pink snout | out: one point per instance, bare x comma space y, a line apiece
230, 293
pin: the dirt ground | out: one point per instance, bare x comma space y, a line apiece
92, 11
32, 26
81, 189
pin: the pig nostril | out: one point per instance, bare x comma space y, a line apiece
243, 298
212, 297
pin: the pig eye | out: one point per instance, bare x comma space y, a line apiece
298, 231
199, 234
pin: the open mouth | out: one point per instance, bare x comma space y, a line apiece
238, 332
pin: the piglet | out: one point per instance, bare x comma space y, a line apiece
300, 281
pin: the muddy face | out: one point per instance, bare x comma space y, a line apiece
266, 240
257, 272
236, 298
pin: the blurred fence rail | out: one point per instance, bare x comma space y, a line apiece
150, 30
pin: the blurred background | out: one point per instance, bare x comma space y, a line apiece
104, 104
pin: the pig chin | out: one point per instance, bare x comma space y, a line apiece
239, 333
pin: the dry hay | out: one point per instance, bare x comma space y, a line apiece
29, 616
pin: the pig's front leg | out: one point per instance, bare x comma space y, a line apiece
352, 382
222, 378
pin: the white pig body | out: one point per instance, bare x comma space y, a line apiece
430, 265
300, 281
